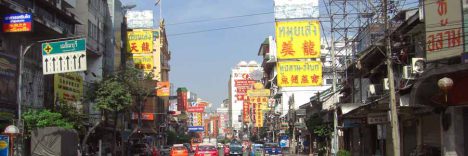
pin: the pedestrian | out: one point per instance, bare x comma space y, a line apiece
155, 151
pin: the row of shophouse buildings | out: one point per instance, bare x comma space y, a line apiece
428, 51
103, 24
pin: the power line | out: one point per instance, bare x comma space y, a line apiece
217, 29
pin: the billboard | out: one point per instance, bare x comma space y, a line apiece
196, 109
139, 19
290, 9
21, 22
196, 128
144, 116
140, 42
143, 62
298, 39
163, 88
68, 87
444, 37
299, 73
4, 145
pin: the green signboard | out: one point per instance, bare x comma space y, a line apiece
63, 46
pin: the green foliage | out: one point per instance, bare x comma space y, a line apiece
112, 95
44, 118
72, 114
316, 126
343, 153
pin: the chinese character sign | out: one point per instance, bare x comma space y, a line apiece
298, 39
245, 112
444, 34
140, 42
299, 73
68, 87
143, 62
163, 88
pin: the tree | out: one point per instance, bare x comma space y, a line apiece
321, 130
44, 118
112, 96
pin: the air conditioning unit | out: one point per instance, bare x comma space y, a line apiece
272, 58
386, 84
375, 89
407, 73
418, 65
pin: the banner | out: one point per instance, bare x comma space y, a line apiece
163, 88
258, 92
246, 112
143, 62
144, 116
290, 9
4, 145
68, 87
259, 115
299, 73
140, 42
139, 19
298, 39
196, 109
444, 37
21, 22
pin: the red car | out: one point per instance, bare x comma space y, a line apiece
226, 150
206, 150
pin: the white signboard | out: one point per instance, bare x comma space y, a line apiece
64, 56
139, 19
290, 9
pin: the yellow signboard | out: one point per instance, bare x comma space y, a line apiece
298, 39
259, 115
258, 92
144, 62
140, 42
68, 87
299, 73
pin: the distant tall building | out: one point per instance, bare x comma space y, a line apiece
239, 81
223, 112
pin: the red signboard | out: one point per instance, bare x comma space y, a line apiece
20, 22
246, 112
182, 101
144, 116
196, 109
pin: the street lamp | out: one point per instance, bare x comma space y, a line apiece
12, 131
445, 84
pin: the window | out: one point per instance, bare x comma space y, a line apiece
329, 81
92, 31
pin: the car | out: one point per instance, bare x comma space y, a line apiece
206, 150
272, 149
226, 150
165, 150
179, 150
256, 150
235, 148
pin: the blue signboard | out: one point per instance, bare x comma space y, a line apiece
21, 22
196, 128
4, 144
284, 141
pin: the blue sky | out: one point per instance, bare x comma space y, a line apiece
202, 61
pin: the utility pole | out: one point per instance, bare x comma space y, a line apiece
393, 109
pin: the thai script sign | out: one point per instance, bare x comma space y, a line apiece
140, 42
444, 34
64, 56
139, 19
21, 22
290, 9
298, 39
299, 73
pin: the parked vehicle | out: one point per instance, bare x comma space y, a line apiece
272, 149
188, 146
256, 150
235, 148
226, 150
206, 150
165, 150
179, 150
